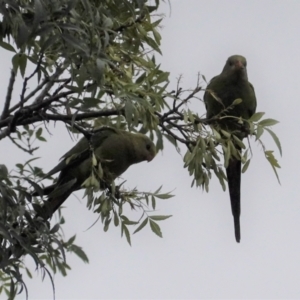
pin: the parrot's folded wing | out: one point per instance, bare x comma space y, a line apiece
81, 150
62, 189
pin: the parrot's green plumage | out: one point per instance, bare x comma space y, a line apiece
115, 149
222, 90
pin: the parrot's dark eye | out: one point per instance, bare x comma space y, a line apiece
148, 146
230, 63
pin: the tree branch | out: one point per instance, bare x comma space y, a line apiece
12, 79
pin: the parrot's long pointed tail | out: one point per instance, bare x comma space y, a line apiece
234, 183
50, 206
57, 195
237, 228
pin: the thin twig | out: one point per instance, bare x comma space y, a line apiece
27, 79
22, 148
176, 137
49, 85
30, 95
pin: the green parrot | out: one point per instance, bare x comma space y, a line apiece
221, 91
115, 149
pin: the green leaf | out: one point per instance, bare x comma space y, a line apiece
272, 158
36, 187
88, 103
41, 138
5, 233
106, 224
159, 218
128, 222
12, 291
28, 273
153, 202
23, 34
38, 135
116, 219
22, 63
100, 69
256, 117
40, 13
48, 43
227, 154
152, 44
268, 122
172, 141
3, 171
142, 225
155, 228
39, 132
79, 252
259, 132
158, 190
239, 142
128, 111
71, 240
276, 140
7, 46
70, 40
221, 176
245, 166
156, 35
237, 101
273, 161
15, 62
162, 77
164, 196
226, 133
107, 22
126, 231
55, 228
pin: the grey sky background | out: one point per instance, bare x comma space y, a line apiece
198, 257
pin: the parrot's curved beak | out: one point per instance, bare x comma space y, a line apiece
150, 156
239, 65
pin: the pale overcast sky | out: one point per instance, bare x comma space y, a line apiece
198, 257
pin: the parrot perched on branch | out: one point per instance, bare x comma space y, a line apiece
221, 91
115, 149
